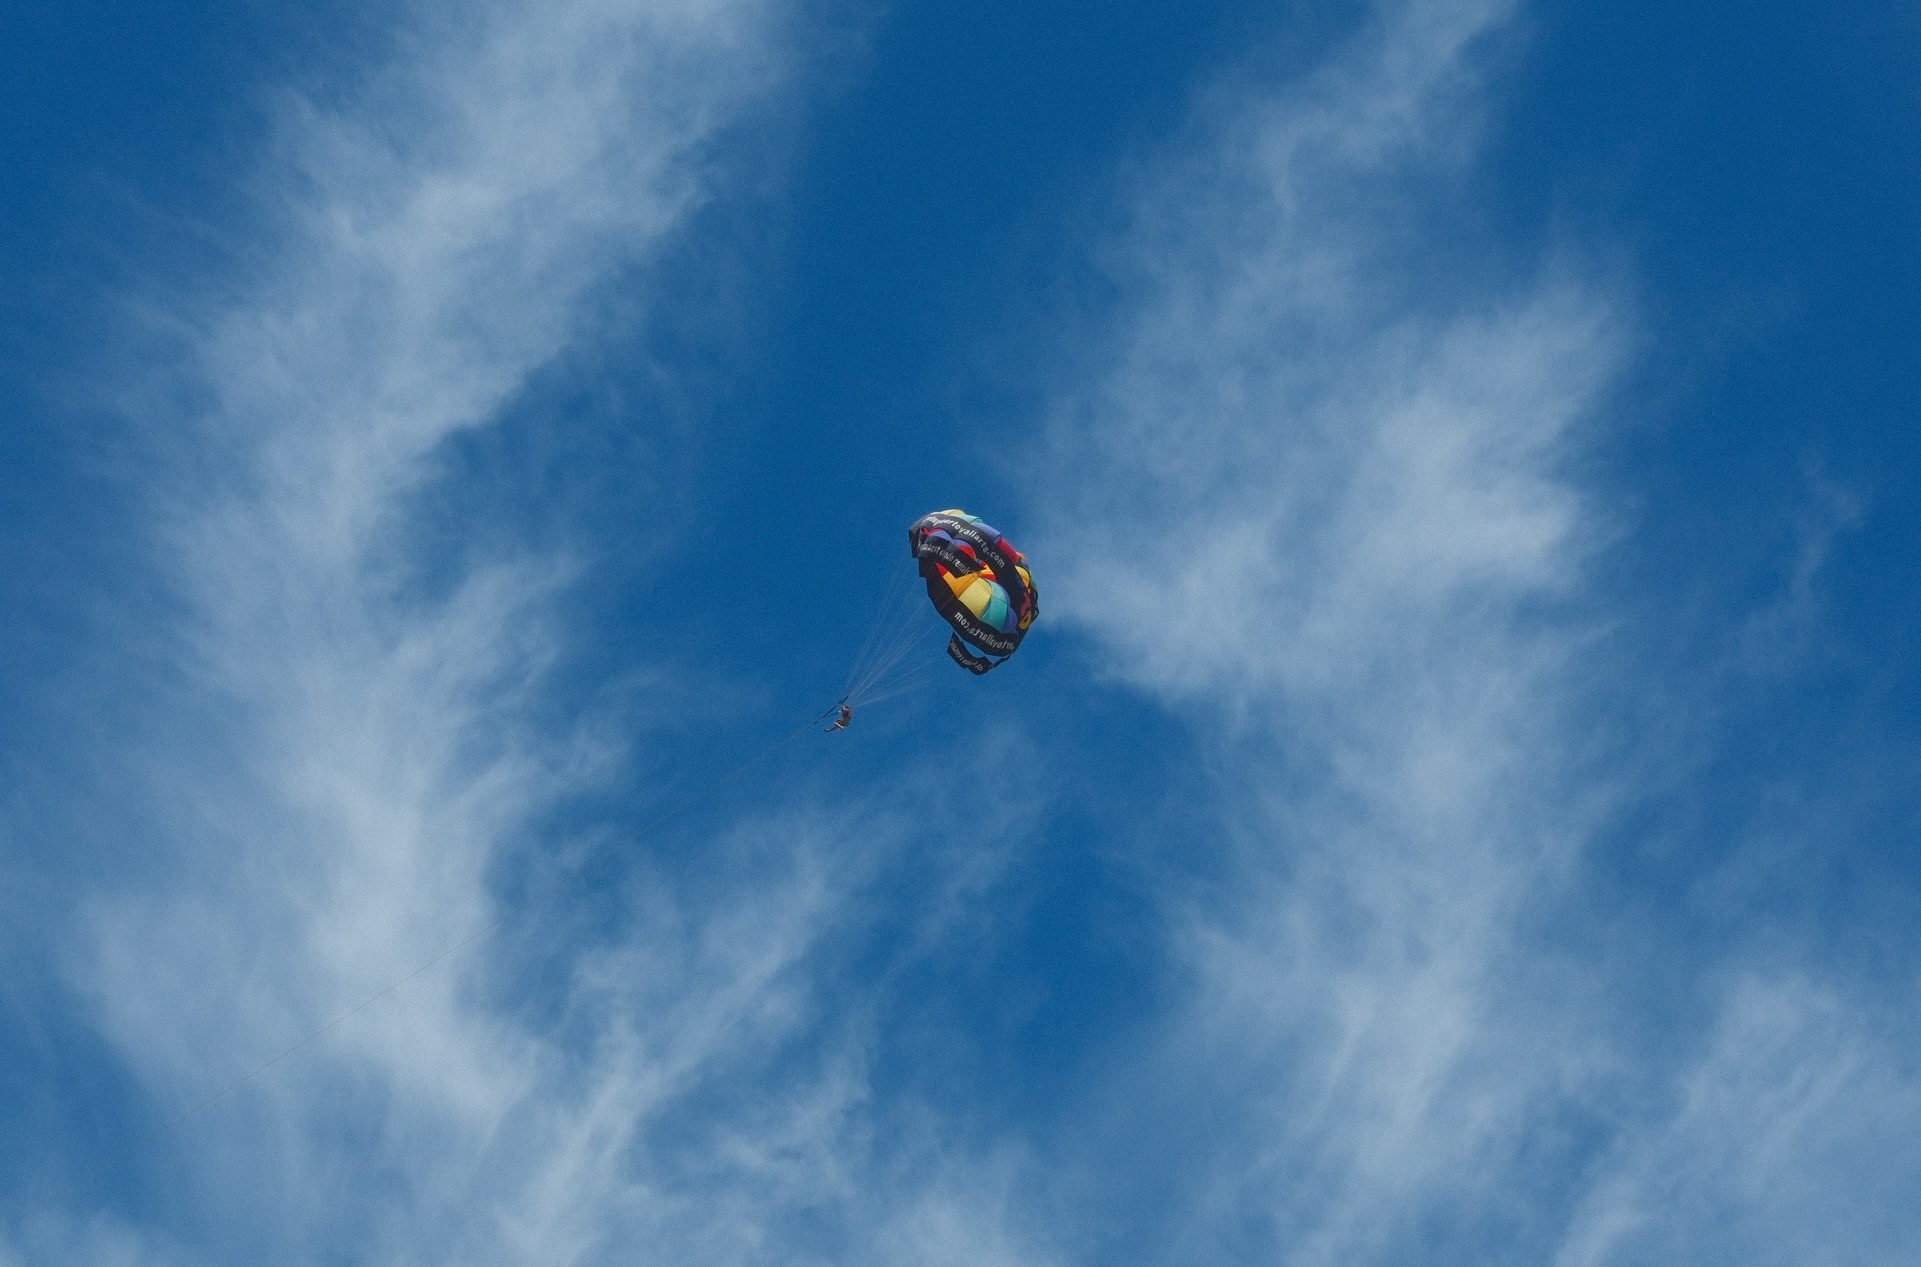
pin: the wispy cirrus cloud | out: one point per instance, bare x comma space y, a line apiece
1787, 1139
1346, 463
332, 754
98, 1240
1350, 459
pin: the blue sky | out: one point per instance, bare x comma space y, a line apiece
1458, 804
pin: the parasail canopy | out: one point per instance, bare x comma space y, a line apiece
978, 582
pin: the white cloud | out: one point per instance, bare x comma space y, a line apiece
51, 1240
345, 755
1790, 1140
1321, 496
1357, 552
1334, 514
964, 1218
1783, 636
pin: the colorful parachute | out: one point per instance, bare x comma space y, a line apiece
978, 582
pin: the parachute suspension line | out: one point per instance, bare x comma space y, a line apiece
890, 676
889, 635
645, 830
894, 634
879, 633
902, 684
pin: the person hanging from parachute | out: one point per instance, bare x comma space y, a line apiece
978, 582
842, 720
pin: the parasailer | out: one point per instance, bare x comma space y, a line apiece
978, 582
841, 721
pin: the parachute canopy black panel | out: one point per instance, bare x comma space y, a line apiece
978, 582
